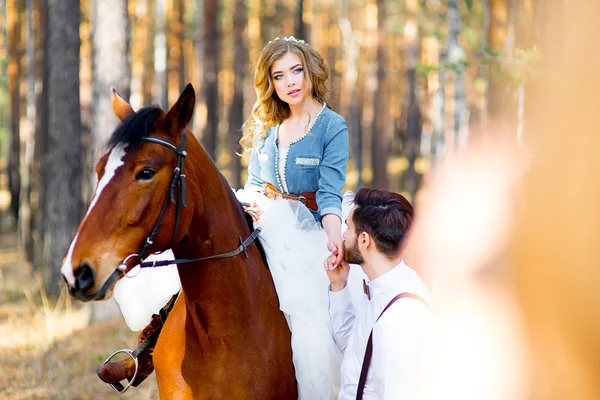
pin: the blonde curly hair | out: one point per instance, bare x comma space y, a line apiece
269, 110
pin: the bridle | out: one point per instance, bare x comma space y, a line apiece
177, 182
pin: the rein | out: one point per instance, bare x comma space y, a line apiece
177, 180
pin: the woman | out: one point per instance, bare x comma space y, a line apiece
297, 169
299, 151
298, 144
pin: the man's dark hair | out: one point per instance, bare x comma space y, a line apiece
385, 216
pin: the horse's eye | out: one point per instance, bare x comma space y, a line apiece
145, 175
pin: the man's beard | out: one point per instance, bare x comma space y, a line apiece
352, 254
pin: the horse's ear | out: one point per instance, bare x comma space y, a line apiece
121, 107
180, 115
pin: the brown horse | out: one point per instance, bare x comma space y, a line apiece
225, 337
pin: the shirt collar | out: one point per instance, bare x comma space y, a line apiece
390, 279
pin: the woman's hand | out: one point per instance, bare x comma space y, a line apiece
336, 247
335, 244
254, 211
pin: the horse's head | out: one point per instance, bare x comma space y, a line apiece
134, 178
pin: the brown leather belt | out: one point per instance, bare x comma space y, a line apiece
309, 199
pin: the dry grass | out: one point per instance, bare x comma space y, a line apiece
47, 349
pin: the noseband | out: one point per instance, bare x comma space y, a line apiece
177, 181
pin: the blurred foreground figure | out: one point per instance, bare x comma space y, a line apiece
509, 241
459, 239
555, 255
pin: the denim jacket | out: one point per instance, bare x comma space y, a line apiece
315, 163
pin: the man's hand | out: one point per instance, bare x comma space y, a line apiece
338, 275
336, 247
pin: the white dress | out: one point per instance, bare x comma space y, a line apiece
295, 246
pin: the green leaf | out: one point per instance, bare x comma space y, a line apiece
424, 69
491, 52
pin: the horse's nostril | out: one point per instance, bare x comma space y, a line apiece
84, 277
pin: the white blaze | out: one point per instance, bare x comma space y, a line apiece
115, 160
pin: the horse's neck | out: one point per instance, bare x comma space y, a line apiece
221, 292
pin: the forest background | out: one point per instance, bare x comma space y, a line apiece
414, 79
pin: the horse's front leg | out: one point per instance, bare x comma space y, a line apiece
169, 354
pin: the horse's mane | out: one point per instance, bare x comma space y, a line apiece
132, 129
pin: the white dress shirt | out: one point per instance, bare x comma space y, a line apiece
399, 337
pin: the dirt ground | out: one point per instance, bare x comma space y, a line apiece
47, 348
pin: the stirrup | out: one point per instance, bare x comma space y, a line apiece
117, 386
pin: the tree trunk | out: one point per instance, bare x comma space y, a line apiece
300, 25
148, 74
350, 89
456, 57
413, 118
63, 158
38, 173
28, 137
180, 33
480, 110
236, 112
4, 114
212, 40
199, 120
14, 20
174, 55
3, 61
439, 136
160, 53
110, 68
333, 45
380, 140
497, 93
267, 22
356, 120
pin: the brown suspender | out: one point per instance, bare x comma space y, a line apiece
369, 350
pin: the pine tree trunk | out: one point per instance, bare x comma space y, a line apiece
212, 41
110, 68
38, 173
148, 74
63, 158
4, 60
160, 53
413, 118
351, 89
380, 140
300, 25
180, 33
14, 20
236, 112
480, 110
198, 118
439, 137
497, 93
28, 137
456, 57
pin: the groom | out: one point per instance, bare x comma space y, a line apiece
382, 338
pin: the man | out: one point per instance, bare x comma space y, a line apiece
377, 226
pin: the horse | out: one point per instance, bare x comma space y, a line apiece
225, 337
